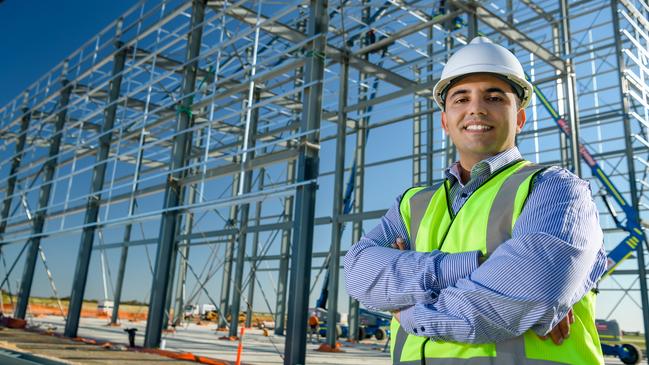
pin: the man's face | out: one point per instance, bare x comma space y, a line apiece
482, 117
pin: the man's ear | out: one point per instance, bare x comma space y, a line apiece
521, 118
444, 125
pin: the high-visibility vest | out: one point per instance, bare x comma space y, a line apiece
484, 221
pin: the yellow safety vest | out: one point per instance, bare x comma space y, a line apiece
484, 221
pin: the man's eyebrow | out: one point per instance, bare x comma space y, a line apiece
495, 90
458, 91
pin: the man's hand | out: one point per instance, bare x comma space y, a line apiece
561, 331
399, 244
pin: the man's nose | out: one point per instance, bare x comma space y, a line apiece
477, 107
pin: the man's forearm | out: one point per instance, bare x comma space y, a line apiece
388, 279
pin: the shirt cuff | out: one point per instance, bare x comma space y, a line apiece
454, 267
407, 321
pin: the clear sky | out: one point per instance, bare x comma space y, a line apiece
35, 35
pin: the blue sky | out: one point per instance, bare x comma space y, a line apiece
36, 35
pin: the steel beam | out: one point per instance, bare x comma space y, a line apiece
11, 184
92, 205
245, 185
282, 276
642, 269
224, 304
255, 247
43, 200
127, 235
570, 83
307, 173
183, 250
511, 32
15, 165
359, 182
417, 122
338, 207
172, 189
250, 17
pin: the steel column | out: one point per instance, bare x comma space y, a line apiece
642, 269
224, 305
172, 189
571, 89
253, 254
15, 164
359, 177
11, 184
307, 173
244, 188
92, 206
184, 256
287, 213
127, 233
416, 134
282, 276
338, 206
43, 200
430, 122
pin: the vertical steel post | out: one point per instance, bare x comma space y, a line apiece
416, 133
287, 213
253, 254
561, 102
172, 265
43, 200
338, 205
172, 189
307, 173
127, 234
224, 305
430, 122
642, 269
184, 250
359, 178
92, 206
245, 188
282, 276
11, 182
15, 165
570, 84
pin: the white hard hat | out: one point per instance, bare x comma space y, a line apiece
480, 56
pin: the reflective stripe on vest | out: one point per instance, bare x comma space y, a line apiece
418, 205
510, 352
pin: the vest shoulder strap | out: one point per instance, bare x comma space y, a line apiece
418, 204
502, 209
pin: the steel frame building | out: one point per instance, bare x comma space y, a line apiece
217, 133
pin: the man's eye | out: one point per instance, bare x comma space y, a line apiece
494, 98
460, 100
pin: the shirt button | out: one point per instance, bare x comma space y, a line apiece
464, 195
422, 329
414, 330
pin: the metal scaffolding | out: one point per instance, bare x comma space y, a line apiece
226, 127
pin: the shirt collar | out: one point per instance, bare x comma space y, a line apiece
487, 166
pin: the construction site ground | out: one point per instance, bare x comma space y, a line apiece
200, 340
75, 352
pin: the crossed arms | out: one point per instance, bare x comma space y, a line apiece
555, 256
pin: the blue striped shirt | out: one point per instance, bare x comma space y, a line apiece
555, 256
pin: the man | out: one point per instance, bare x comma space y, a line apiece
501, 254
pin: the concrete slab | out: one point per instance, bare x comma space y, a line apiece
201, 340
